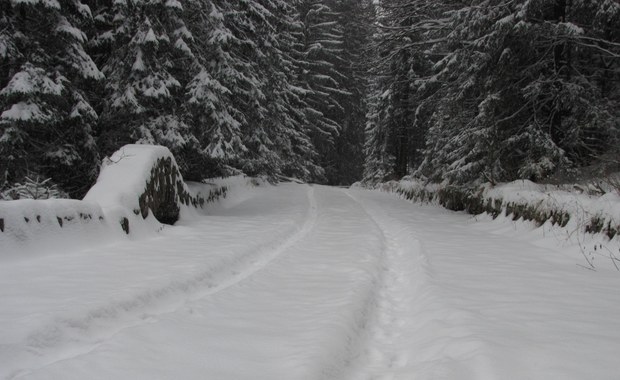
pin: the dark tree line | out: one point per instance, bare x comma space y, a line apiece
264, 87
463, 92
493, 90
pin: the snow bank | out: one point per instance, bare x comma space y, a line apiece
565, 206
47, 223
594, 213
139, 188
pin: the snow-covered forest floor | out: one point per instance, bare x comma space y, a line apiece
310, 282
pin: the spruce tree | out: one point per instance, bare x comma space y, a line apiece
147, 45
404, 46
286, 125
320, 76
513, 103
356, 19
46, 120
209, 96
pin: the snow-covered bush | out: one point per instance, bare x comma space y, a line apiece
33, 187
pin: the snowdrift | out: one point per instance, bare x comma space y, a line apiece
138, 190
570, 207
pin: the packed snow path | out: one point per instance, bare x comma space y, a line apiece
308, 282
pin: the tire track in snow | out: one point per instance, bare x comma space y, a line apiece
65, 337
273, 252
348, 350
415, 332
383, 354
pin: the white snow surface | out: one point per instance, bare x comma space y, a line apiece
33, 226
310, 282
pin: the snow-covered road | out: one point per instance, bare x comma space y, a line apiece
309, 282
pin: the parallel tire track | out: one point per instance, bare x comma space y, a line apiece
47, 342
381, 353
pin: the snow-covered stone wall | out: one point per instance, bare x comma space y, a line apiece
569, 207
144, 180
26, 221
139, 189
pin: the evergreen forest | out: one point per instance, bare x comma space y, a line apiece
327, 91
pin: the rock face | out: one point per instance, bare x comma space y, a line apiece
165, 192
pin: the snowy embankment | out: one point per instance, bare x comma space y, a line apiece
138, 189
575, 215
571, 207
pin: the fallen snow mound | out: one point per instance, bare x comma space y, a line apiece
139, 188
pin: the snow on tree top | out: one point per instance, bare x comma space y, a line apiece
23, 111
183, 32
6, 46
155, 87
46, 3
150, 37
64, 26
33, 80
86, 66
175, 4
571, 29
128, 99
138, 64
84, 9
181, 45
81, 109
216, 14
